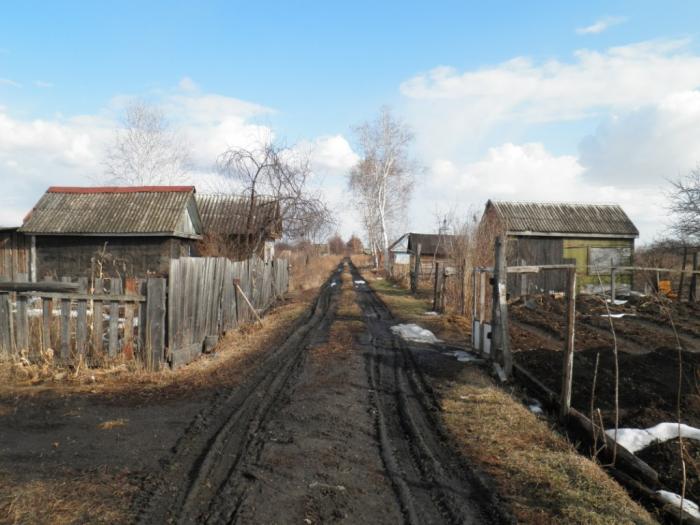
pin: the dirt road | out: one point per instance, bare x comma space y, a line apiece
323, 432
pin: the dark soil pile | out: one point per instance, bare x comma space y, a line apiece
666, 459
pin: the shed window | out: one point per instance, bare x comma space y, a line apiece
604, 258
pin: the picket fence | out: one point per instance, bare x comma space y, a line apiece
153, 321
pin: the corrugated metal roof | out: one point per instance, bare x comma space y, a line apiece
144, 210
228, 214
564, 218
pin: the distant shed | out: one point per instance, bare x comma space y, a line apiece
434, 247
244, 225
112, 231
592, 236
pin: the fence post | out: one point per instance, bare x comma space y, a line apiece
693, 280
22, 326
443, 289
613, 274
81, 321
568, 366
416, 270
155, 322
5, 333
499, 328
436, 288
463, 273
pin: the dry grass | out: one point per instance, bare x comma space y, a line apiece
70, 499
537, 471
452, 328
310, 271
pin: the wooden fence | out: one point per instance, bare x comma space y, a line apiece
81, 321
150, 320
207, 297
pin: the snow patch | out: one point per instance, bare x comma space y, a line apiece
333, 284
616, 316
618, 302
431, 313
674, 499
465, 357
636, 439
360, 282
413, 332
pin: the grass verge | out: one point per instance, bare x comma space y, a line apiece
535, 469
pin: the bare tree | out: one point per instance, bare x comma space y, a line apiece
382, 180
685, 206
281, 174
145, 149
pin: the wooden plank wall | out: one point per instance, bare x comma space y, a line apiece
14, 256
106, 322
205, 301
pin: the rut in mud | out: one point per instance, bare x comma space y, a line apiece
324, 430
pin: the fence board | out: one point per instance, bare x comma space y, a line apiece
22, 326
97, 319
5, 324
81, 322
155, 316
115, 287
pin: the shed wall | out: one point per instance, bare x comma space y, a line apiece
14, 256
73, 256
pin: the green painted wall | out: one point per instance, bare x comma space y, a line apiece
578, 249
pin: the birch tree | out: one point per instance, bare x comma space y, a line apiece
146, 150
382, 180
685, 206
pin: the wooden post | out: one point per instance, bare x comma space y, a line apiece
680, 283
22, 326
47, 315
155, 319
463, 289
65, 325
81, 321
500, 342
568, 366
97, 320
115, 287
416, 269
482, 309
436, 288
692, 292
613, 273
443, 289
5, 334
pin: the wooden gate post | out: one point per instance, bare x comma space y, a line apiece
155, 322
5, 325
568, 365
500, 339
613, 274
436, 288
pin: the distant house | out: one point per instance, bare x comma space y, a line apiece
241, 226
594, 237
113, 231
14, 255
433, 248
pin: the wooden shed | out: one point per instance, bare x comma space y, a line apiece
433, 248
594, 237
111, 231
238, 227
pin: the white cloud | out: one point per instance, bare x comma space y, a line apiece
643, 98
601, 25
187, 84
37, 153
8, 82
42, 84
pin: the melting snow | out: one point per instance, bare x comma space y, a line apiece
465, 357
674, 499
535, 407
616, 316
636, 439
333, 283
360, 282
431, 313
413, 332
618, 302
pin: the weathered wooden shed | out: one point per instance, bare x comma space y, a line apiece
239, 226
594, 237
111, 231
433, 248
14, 255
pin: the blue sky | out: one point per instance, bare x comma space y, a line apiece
313, 69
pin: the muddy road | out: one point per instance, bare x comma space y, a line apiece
334, 425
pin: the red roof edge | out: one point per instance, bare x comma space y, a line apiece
120, 189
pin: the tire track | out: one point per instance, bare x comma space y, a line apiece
205, 479
432, 483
